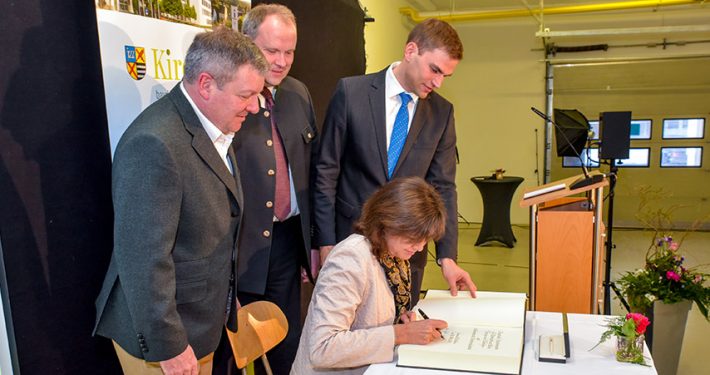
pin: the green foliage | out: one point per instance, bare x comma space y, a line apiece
190, 12
630, 326
219, 6
173, 7
665, 278
628, 331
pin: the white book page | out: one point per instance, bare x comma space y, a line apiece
487, 349
488, 341
487, 309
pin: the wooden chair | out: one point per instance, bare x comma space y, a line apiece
261, 325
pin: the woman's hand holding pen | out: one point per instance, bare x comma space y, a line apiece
420, 332
407, 317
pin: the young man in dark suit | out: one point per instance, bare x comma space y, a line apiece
393, 124
178, 203
273, 151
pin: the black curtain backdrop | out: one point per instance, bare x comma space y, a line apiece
331, 45
55, 165
55, 187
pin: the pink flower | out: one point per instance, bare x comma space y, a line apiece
640, 321
698, 279
670, 275
673, 246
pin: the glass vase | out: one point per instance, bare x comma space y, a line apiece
630, 350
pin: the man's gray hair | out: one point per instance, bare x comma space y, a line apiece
221, 53
255, 17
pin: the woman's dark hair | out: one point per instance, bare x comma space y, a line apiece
405, 207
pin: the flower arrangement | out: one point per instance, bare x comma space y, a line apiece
664, 277
629, 331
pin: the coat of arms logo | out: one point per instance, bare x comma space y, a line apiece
135, 62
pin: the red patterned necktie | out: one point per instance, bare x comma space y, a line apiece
282, 198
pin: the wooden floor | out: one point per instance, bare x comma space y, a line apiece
498, 268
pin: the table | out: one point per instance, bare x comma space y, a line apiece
497, 195
584, 332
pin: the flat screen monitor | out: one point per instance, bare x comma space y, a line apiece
571, 131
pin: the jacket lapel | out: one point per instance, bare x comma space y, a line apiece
421, 113
379, 118
280, 121
201, 142
239, 194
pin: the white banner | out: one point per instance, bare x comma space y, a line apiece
142, 59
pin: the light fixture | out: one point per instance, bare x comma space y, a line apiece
624, 31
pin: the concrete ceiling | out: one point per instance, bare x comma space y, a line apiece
492, 5
690, 74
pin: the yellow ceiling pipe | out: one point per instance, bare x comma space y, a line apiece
569, 9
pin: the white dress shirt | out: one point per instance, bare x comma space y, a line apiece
220, 141
392, 102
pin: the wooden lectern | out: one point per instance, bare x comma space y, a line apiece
566, 247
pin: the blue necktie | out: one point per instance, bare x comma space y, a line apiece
399, 134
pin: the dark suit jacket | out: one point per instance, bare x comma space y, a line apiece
176, 216
295, 119
352, 161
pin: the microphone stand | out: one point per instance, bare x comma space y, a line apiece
609, 244
582, 181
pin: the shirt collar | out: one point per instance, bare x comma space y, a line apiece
262, 100
212, 131
392, 86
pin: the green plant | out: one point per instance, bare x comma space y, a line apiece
664, 277
629, 331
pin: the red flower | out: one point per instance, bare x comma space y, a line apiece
641, 322
670, 275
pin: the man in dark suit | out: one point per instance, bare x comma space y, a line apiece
392, 124
178, 202
274, 154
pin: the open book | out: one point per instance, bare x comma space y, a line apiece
485, 334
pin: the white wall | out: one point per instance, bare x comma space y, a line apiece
492, 90
502, 76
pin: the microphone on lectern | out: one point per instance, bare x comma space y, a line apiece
586, 180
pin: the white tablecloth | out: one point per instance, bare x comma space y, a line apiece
584, 331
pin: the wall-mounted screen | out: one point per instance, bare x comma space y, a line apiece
683, 128
681, 157
641, 129
594, 127
590, 156
638, 158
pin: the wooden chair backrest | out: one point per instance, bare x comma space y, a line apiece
261, 325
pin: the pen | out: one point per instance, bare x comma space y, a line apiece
424, 315
565, 333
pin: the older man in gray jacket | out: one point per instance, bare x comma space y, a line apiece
178, 203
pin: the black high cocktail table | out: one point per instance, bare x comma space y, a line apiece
497, 196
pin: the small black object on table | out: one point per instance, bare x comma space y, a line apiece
497, 196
